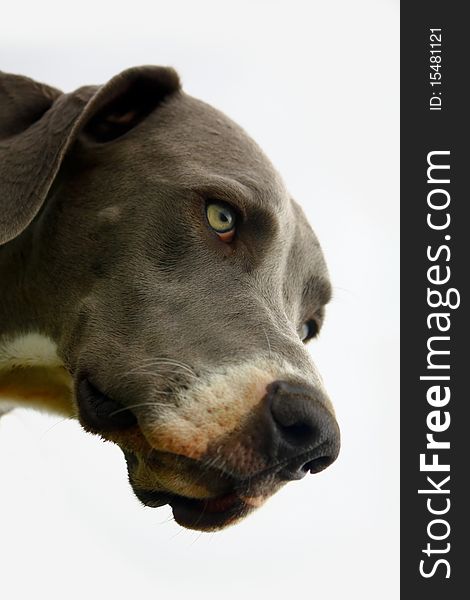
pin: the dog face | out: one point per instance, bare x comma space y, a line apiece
182, 282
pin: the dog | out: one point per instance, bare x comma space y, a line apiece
159, 284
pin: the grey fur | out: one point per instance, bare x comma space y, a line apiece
106, 250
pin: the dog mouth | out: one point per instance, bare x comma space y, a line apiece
202, 514
202, 500
223, 507
232, 477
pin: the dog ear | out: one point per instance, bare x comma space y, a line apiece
127, 99
38, 124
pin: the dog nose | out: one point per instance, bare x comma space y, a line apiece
304, 434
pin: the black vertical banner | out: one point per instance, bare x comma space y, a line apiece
435, 301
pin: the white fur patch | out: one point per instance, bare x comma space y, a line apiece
32, 375
214, 407
28, 350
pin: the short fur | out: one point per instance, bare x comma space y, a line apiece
109, 274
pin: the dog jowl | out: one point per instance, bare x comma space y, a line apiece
159, 284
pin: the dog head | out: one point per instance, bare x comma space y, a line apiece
180, 282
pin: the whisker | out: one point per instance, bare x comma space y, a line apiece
169, 361
267, 339
55, 425
145, 371
197, 538
120, 381
124, 408
180, 530
148, 371
201, 515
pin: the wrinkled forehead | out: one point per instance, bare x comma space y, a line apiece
198, 146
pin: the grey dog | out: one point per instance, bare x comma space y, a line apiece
159, 284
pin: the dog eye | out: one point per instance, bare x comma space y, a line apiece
308, 331
222, 218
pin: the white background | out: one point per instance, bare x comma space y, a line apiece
316, 84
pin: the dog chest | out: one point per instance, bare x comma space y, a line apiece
32, 375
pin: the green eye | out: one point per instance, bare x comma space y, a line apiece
221, 218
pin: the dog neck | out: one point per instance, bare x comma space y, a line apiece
31, 372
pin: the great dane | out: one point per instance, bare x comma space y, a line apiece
158, 283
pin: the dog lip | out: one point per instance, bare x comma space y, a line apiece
152, 498
98, 411
210, 513
193, 513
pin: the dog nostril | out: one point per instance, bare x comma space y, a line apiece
304, 436
317, 464
295, 470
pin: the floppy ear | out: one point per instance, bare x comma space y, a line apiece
39, 123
